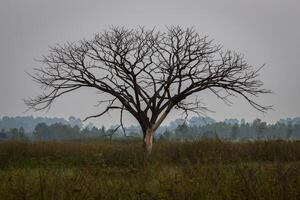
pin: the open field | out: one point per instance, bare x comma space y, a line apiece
209, 169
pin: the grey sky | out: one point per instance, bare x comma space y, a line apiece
265, 31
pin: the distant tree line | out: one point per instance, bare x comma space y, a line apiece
238, 131
29, 122
57, 131
13, 133
193, 129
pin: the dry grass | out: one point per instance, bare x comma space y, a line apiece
119, 170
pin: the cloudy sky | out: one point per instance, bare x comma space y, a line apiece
265, 31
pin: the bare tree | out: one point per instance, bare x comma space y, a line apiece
147, 73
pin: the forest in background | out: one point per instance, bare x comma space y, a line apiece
195, 128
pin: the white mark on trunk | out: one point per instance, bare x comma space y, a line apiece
148, 140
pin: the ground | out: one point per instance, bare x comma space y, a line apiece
210, 169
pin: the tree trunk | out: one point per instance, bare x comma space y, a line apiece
148, 140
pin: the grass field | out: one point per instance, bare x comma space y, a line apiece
209, 169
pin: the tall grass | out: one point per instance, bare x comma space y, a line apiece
210, 169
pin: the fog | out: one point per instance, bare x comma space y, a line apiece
265, 31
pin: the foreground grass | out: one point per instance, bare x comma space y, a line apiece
119, 170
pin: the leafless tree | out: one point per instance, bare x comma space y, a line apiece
147, 73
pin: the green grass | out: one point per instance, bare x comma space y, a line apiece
209, 169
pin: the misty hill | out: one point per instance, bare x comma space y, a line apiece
30, 122
194, 121
192, 127
206, 127
292, 121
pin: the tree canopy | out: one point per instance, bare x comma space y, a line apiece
147, 73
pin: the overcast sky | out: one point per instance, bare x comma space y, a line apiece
265, 31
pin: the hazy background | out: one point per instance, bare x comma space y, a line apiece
265, 31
